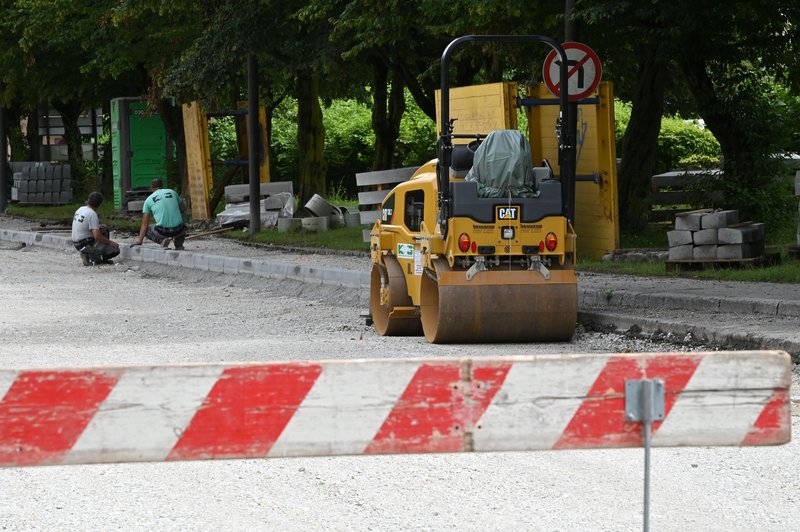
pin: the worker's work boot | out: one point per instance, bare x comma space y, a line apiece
166, 242
86, 260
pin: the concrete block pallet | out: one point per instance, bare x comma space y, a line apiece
41, 183
712, 239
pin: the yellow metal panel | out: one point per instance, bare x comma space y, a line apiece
596, 207
242, 141
480, 108
198, 159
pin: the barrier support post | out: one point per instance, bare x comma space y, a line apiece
644, 401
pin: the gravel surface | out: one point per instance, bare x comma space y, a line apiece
57, 313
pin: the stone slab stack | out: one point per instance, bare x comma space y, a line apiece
710, 236
41, 183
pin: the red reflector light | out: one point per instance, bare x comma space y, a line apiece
541, 247
463, 242
474, 247
550, 241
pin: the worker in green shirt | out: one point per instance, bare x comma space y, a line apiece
164, 206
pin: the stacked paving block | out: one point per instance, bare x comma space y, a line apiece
41, 183
710, 236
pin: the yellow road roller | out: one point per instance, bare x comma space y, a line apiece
478, 246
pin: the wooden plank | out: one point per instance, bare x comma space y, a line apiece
330, 408
767, 259
369, 217
684, 178
385, 177
481, 108
373, 197
198, 159
212, 232
680, 197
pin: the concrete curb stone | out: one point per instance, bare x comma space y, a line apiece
588, 297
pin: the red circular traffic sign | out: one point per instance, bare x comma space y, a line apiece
583, 71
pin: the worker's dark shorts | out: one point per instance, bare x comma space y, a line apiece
170, 231
157, 234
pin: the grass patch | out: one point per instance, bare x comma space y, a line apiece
62, 214
627, 268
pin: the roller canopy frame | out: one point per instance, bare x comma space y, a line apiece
566, 126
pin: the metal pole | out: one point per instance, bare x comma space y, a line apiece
647, 408
571, 35
644, 401
252, 144
4, 184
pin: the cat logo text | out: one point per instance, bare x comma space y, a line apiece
507, 213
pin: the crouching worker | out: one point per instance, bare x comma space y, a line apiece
89, 237
165, 208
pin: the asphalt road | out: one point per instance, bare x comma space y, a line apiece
56, 313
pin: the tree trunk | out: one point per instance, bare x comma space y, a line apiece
387, 112
310, 137
172, 116
640, 142
32, 135
423, 96
107, 158
70, 112
733, 136
20, 150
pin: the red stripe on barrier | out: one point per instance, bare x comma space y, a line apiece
423, 419
600, 420
774, 423
432, 413
487, 379
246, 411
44, 413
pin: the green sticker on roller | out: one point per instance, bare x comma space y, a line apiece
405, 251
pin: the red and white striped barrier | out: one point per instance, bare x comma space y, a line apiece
315, 408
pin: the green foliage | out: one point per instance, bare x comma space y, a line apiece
622, 115
417, 141
681, 143
771, 201
698, 162
222, 138
787, 108
679, 139
349, 142
283, 149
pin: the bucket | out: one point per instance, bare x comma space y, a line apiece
352, 219
315, 223
319, 207
335, 221
289, 224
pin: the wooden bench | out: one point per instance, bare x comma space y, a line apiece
683, 190
376, 186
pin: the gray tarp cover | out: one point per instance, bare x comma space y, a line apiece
502, 164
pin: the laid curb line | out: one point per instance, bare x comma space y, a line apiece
210, 263
685, 333
588, 298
